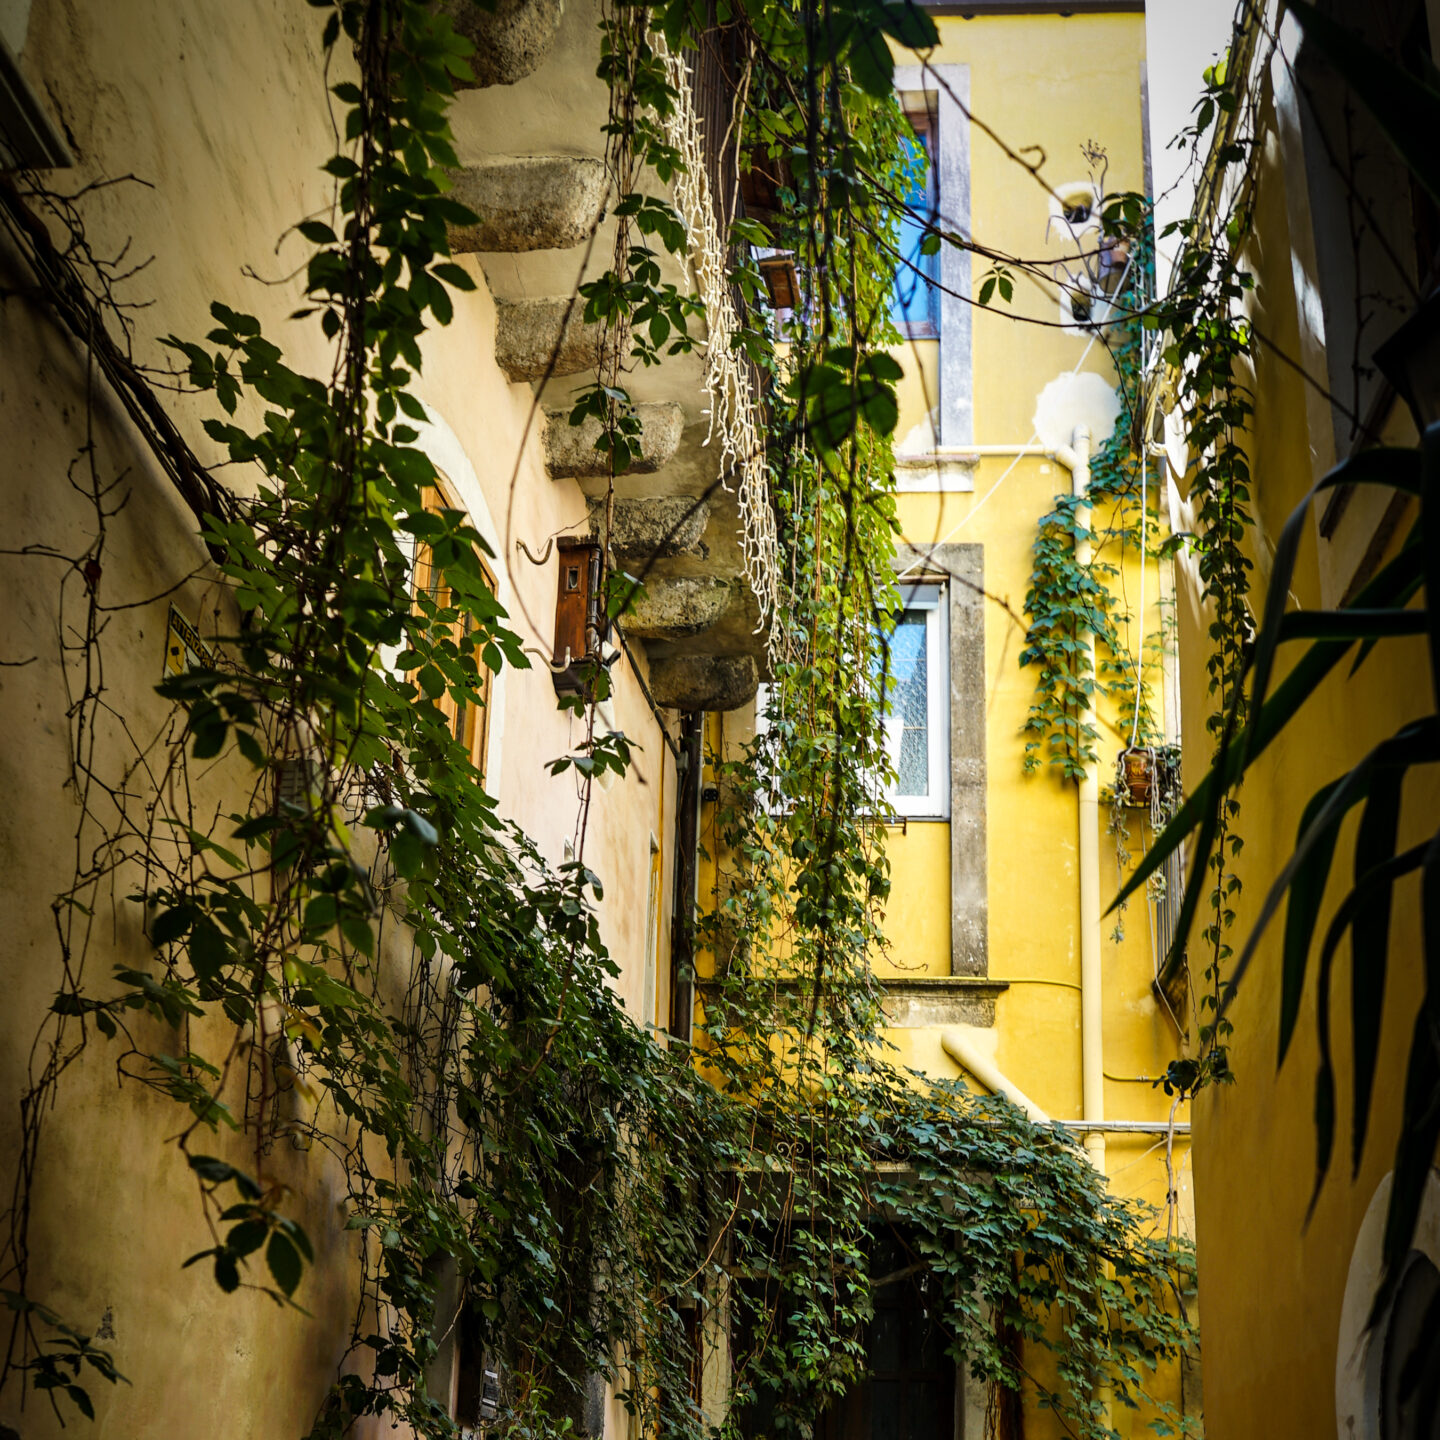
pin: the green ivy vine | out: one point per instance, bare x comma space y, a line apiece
1072, 606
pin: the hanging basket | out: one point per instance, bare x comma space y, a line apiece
1135, 777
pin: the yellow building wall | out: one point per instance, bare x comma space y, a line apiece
1052, 82
1273, 1276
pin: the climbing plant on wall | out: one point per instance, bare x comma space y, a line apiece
1072, 605
1193, 343
1406, 106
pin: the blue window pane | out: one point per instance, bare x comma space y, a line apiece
916, 301
908, 723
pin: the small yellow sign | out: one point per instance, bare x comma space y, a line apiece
184, 649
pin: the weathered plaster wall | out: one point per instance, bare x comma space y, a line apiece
220, 111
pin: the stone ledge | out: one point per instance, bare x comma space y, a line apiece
916, 1002
944, 472
678, 607
704, 682
913, 1002
659, 528
570, 449
534, 338
528, 202
511, 40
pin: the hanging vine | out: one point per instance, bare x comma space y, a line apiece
1072, 605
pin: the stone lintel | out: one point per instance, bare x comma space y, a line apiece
913, 1002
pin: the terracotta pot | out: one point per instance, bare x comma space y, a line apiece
1137, 776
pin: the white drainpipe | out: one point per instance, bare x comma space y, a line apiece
1092, 1046
970, 1056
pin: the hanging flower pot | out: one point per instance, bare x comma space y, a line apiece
1135, 776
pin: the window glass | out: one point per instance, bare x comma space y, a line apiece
911, 662
470, 724
908, 726
915, 304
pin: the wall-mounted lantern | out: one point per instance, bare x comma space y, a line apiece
577, 613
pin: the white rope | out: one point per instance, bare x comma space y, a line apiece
732, 410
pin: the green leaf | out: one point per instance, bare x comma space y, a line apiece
420, 828
453, 275
227, 1273
1397, 469
171, 925
209, 951
319, 915
909, 23
1415, 744
247, 1237
284, 1262
216, 1172
356, 929
1351, 624
1267, 721
406, 854
1307, 891
872, 66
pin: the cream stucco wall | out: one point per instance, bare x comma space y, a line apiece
220, 110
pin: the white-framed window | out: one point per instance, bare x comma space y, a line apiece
914, 656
